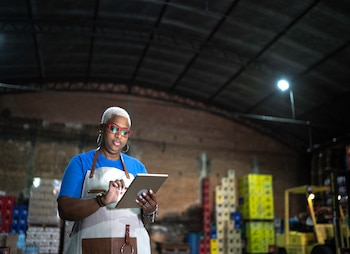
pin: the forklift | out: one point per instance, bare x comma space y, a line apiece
328, 237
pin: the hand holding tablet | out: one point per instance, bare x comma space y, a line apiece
142, 183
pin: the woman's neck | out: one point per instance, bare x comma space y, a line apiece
110, 156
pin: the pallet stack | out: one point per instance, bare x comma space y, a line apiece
257, 208
43, 222
19, 219
204, 244
46, 239
8, 238
6, 207
228, 225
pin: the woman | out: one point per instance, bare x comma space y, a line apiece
94, 181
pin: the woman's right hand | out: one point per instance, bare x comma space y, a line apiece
115, 191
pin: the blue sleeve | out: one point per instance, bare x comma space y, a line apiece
73, 178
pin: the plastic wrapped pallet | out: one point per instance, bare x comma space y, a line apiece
42, 203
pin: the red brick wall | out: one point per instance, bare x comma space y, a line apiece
167, 139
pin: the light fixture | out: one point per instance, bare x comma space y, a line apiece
311, 196
283, 85
36, 182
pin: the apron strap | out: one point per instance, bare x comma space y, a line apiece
127, 241
127, 234
94, 164
95, 161
124, 167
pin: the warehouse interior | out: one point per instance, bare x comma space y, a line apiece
199, 80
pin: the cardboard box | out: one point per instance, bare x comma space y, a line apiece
9, 240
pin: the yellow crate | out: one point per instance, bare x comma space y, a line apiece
260, 235
253, 184
257, 207
214, 249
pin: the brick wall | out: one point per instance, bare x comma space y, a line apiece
48, 129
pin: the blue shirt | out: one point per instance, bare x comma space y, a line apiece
74, 175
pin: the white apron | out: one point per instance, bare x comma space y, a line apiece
108, 221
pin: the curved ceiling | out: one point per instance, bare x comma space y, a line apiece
222, 56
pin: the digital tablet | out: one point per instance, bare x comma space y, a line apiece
141, 183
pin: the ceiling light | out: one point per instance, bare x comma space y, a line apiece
283, 84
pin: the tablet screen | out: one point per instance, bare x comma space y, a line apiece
141, 183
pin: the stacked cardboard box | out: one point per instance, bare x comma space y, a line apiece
8, 243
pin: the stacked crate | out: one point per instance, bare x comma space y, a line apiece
19, 219
46, 238
257, 208
6, 207
204, 244
228, 229
43, 221
260, 236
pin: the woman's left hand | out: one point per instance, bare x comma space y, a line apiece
147, 201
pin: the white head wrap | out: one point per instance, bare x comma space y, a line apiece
111, 111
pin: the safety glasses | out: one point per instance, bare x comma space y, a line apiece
113, 128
